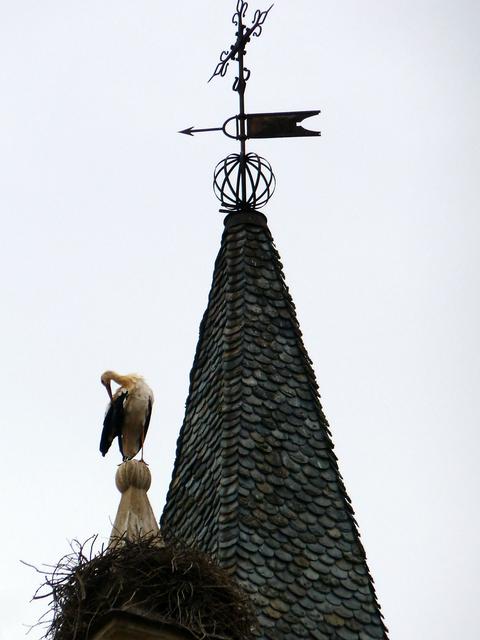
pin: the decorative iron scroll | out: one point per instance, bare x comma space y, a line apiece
243, 36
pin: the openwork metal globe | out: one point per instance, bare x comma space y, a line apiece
259, 182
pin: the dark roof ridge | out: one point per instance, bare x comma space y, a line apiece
227, 400
233, 339
316, 397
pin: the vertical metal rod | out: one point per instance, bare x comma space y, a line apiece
241, 94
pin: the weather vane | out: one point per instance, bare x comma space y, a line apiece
244, 182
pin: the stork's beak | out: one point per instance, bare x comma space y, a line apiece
108, 387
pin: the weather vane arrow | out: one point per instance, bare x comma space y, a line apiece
237, 178
191, 130
283, 124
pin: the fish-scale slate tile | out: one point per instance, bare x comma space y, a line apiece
256, 482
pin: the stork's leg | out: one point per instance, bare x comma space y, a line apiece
143, 440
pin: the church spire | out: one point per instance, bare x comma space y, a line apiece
256, 482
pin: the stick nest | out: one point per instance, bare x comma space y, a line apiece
170, 584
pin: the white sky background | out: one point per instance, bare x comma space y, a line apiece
110, 230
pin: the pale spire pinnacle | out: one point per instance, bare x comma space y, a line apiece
135, 518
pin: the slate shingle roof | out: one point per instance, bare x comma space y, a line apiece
256, 482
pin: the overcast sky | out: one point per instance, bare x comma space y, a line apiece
110, 230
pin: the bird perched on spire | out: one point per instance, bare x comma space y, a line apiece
128, 414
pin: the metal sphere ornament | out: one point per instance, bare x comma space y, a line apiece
250, 193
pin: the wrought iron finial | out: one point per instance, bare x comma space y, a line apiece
245, 182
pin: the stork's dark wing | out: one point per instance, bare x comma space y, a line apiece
112, 425
148, 415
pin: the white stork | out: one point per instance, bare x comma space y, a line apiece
128, 414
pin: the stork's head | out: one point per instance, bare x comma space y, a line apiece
128, 381
106, 380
